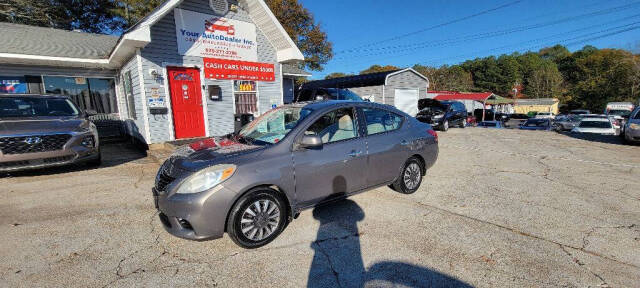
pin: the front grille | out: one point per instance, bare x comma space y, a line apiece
14, 164
163, 180
33, 144
57, 159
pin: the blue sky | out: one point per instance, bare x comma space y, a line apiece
436, 32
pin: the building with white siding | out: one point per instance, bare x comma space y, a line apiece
184, 71
401, 88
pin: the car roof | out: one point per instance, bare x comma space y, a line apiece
321, 104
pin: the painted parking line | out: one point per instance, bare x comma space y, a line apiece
540, 156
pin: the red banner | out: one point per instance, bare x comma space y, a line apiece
238, 70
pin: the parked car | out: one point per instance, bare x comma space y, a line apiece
615, 122
515, 120
566, 122
545, 115
620, 111
632, 127
315, 94
537, 124
244, 184
442, 114
491, 124
601, 126
579, 112
38, 131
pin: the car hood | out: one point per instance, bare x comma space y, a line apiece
44, 125
212, 151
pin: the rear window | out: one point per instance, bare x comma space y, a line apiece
595, 124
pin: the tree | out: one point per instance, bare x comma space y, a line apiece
86, 15
129, 12
453, 78
378, 68
545, 81
305, 32
336, 75
555, 53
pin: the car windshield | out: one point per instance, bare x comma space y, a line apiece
343, 94
536, 123
36, 107
622, 113
595, 124
274, 125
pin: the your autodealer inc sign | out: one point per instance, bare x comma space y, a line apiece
209, 36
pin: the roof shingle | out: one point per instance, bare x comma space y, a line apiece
41, 41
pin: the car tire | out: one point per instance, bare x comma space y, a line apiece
253, 231
463, 123
445, 125
410, 177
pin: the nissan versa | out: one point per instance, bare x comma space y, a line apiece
39, 131
253, 183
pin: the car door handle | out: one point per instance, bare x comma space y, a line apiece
404, 143
355, 153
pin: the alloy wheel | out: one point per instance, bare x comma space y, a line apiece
412, 176
260, 220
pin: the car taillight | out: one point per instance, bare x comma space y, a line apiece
433, 133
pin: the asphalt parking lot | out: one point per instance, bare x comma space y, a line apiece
501, 208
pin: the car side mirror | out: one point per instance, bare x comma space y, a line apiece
311, 142
90, 112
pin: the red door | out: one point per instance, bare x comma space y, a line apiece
186, 102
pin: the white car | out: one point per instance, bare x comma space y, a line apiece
545, 115
601, 126
617, 124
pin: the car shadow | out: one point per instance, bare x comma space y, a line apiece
607, 139
337, 260
113, 154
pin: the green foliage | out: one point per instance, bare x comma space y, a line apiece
378, 68
132, 11
453, 78
336, 75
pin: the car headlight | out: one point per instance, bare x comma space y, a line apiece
206, 179
634, 126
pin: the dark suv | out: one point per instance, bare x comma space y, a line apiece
313, 94
442, 114
39, 131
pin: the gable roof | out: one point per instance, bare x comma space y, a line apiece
363, 80
292, 69
25, 39
48, 46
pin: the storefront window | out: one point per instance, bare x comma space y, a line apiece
88, 93
245, 97
13, 85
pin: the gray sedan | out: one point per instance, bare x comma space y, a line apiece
253, 183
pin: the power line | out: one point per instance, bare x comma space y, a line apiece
619, 31
441, 24
466, 39
502, 32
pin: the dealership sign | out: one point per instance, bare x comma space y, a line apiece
204, 35
238, 70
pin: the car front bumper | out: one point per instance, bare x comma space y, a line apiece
199, 216
632, 135
72, 152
